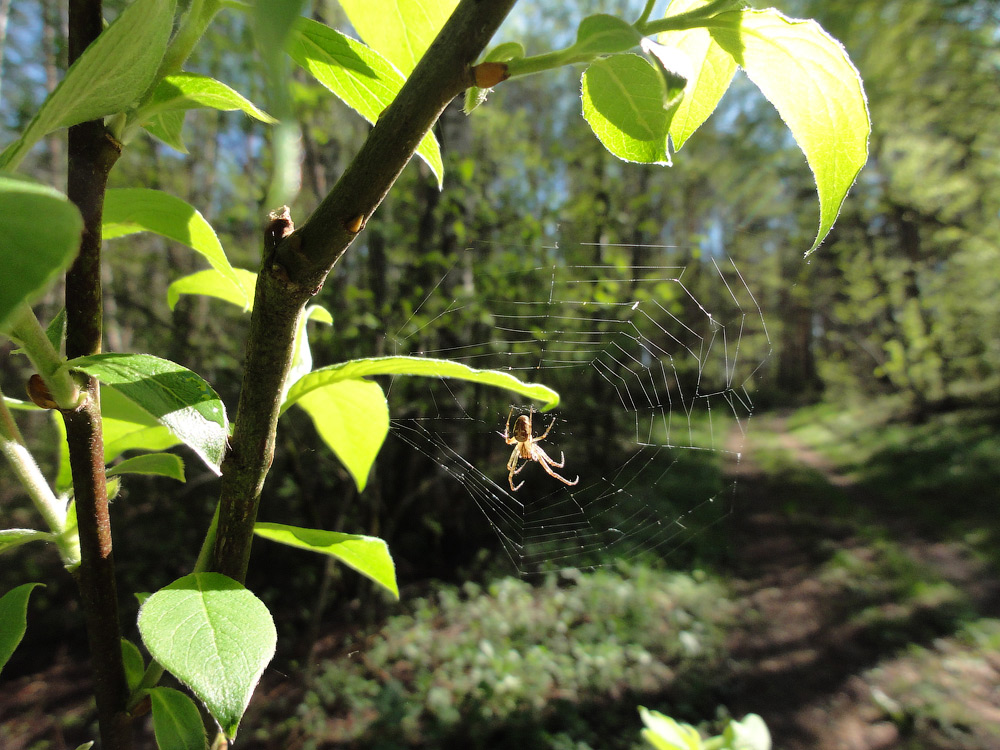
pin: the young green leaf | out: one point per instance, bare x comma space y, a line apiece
168, 127
11, 538
624, 99
368, 555
712, 72
178, 398
420, 366
130, 210
41, 231
749, 734
352, 418
56, 329
177, 723
602, 34
159, 464
399, 30
133, 663
213, 635
665, 733
356, 74
183, 91
110, 76
214, 283
13, 619
808, 77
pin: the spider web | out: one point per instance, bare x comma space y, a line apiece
654, 364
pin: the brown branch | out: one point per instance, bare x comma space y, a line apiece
298, 266
92, 153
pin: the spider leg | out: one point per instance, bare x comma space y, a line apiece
506, 430
542, 436
548, 459
548, 470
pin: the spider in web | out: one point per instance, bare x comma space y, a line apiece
526, 448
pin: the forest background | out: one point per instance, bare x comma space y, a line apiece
897, 311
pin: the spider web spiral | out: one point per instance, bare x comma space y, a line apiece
655, 368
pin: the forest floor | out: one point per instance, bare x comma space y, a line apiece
834, 653
853, 630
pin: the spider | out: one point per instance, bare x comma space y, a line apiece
526, 448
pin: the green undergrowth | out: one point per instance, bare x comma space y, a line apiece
516, 665
941, 474
896, 598
944, 696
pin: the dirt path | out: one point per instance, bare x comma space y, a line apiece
801, 650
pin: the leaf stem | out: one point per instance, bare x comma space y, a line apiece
29, 334
645, 14
51, 508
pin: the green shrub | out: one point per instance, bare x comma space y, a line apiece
507, 658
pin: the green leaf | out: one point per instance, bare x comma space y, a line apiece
11, 538
183, 91
749, 734
623, 101
110, 76
213, 635
424, 367
214, 283
356, 74
133, 662
13, 619
56, 329
808, 77
712, 72
602, 34
178, 398
352, 418
399, 30
368, 555
125, 426
41, 231
168, 127
85, 745
664, 733
130, 210
160, 464
177, 722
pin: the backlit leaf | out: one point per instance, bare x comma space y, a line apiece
623, 102
189, 91
356, 74
368, 555
808, 77
352, 418
399, 30
213, 283
423, 367
130, 210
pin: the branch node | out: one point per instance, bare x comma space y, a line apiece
488, 74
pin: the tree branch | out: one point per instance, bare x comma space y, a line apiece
92, 154
298, 265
